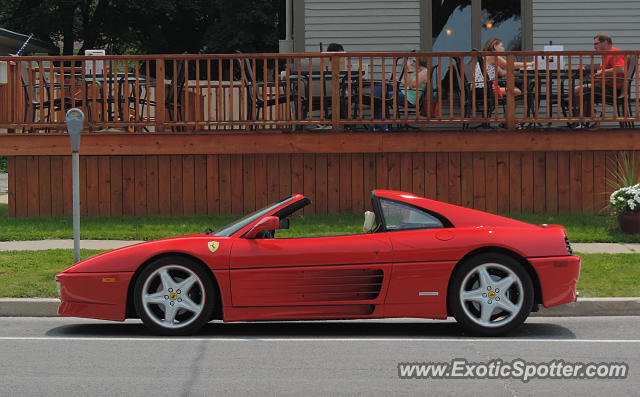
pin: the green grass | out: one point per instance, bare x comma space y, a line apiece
580, 228
31, 273
609, 275
25, 274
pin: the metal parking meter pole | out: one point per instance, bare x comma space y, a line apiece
75, 123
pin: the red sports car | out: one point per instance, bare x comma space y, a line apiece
415, 258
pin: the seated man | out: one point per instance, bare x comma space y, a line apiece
613, 65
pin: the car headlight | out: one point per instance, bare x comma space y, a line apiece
58, 288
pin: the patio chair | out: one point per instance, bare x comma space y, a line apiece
258, 102
621, 94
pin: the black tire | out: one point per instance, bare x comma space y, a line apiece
486, 310
158, 291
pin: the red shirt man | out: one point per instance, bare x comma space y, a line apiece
613, 65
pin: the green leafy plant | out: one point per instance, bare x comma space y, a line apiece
3, 164
625, 182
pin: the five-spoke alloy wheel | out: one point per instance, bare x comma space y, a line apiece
490, 294
174, 296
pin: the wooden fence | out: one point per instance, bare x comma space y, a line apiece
571, 179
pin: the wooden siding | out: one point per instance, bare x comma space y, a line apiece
573, 23
363, 25
502, 182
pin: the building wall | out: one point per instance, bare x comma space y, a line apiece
363, 25
573, 23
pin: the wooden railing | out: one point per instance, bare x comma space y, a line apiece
337, 91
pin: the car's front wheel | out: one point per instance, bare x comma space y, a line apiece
174, 296
490, 294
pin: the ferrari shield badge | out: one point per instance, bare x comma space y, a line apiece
213, 246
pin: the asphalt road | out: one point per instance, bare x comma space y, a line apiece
77, 357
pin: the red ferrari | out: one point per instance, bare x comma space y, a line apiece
415, 258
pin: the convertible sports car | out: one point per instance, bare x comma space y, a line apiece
415, 258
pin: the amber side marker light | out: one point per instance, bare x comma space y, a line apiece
108, 279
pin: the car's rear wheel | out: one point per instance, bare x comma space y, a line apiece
490, 294
174, 296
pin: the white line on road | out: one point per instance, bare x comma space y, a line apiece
439, 340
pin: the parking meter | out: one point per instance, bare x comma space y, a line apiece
75, 123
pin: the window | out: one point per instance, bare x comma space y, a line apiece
400, 216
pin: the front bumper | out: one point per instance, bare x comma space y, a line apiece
94, 295
558, 278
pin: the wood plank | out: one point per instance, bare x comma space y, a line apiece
297, 173
200, 164
357, 183
515, 182
176, 185
22, 184
188, 185
393, 166
213, 185
466, 179
309, 181
273, 178
153, 203
115, 200
588, 195
575, 189
33, 208
551, 180
262, 185
321, 183
455, 179
11, 170
345, 181
224, 164
44, 185
237, 205
491, 184
140, 186
333, 183
418, 177
104, 186
406, 172
284, 166
527, 187
93, 193
430, 175
128, 186
479, 181
369, 179
164, 185
196, 142
539, 184
601, 198
249, 183
382, 171
442, 182
67, 183
502, 172
564, 183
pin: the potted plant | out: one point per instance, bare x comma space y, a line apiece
625, 199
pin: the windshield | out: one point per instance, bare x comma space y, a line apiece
233, 227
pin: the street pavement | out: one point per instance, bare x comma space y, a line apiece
78, 357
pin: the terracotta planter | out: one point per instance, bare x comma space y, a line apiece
630, 222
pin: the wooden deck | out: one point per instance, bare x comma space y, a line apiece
213, 141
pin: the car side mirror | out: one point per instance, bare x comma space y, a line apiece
266, 223
284, 224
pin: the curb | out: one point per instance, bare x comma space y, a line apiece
48, 307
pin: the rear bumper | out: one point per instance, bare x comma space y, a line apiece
94, 295
558, 278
